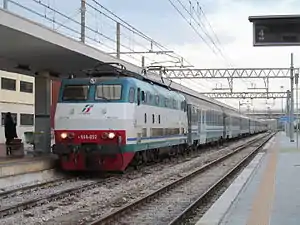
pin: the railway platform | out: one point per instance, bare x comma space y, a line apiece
17, 165
266, 192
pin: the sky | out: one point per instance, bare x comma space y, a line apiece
159, 20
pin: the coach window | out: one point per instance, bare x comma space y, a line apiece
13, 115
131, 95
26, 119
8, 84
145, 117
159, 119
26, 87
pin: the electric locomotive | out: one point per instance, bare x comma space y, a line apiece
107, 122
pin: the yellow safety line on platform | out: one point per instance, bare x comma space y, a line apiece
7, 161
12, 161
263, 201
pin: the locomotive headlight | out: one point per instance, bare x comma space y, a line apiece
64, 135
111, 135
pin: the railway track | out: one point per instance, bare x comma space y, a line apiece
35, 187
174, 202
79, 185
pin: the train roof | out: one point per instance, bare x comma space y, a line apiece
112, 68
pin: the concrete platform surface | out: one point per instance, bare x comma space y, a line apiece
11, 166
266, 192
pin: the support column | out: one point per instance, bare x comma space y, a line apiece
42, 112
83, 10
292, 100
118, 37
287, 123
5, 4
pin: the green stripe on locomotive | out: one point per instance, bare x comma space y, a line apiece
152, 145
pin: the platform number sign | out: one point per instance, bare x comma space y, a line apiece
279, 30
261, 35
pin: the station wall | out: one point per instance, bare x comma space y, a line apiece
17, 96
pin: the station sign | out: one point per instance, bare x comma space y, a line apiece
281, 30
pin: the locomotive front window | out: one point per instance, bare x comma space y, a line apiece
75, 92
109, 92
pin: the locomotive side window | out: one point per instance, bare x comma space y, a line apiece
183, 106
174, 104
157, 100
149, 98
143, 96
75, 92
131, 95
138, 96
109, 92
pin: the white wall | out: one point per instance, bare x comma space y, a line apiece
16, 102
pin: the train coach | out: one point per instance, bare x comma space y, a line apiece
108, 122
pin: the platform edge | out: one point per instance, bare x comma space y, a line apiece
218, 210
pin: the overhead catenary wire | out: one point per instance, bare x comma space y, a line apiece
136, 31
197, 32
200, 12
216, 44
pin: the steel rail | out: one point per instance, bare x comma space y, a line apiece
111, 217
204, 197
9, 210
47, 184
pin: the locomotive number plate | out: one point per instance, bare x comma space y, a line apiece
88, 136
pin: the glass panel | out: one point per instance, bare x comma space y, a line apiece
8, 84
75, 92
26, 87
109, 92
131, 95
13, 115
27, 119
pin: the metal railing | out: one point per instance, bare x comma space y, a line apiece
99, 28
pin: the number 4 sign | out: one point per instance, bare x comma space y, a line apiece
261, 35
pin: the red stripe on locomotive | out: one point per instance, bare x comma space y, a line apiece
90, 136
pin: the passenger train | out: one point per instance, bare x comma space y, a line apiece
109, 122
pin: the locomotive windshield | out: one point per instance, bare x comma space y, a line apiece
109, 92
75, 92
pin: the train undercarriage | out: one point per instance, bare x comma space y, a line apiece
91, 158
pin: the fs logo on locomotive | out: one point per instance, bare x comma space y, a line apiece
87, 108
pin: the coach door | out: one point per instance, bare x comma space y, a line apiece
199, 117
224, 124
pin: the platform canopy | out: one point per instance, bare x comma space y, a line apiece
27, 47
